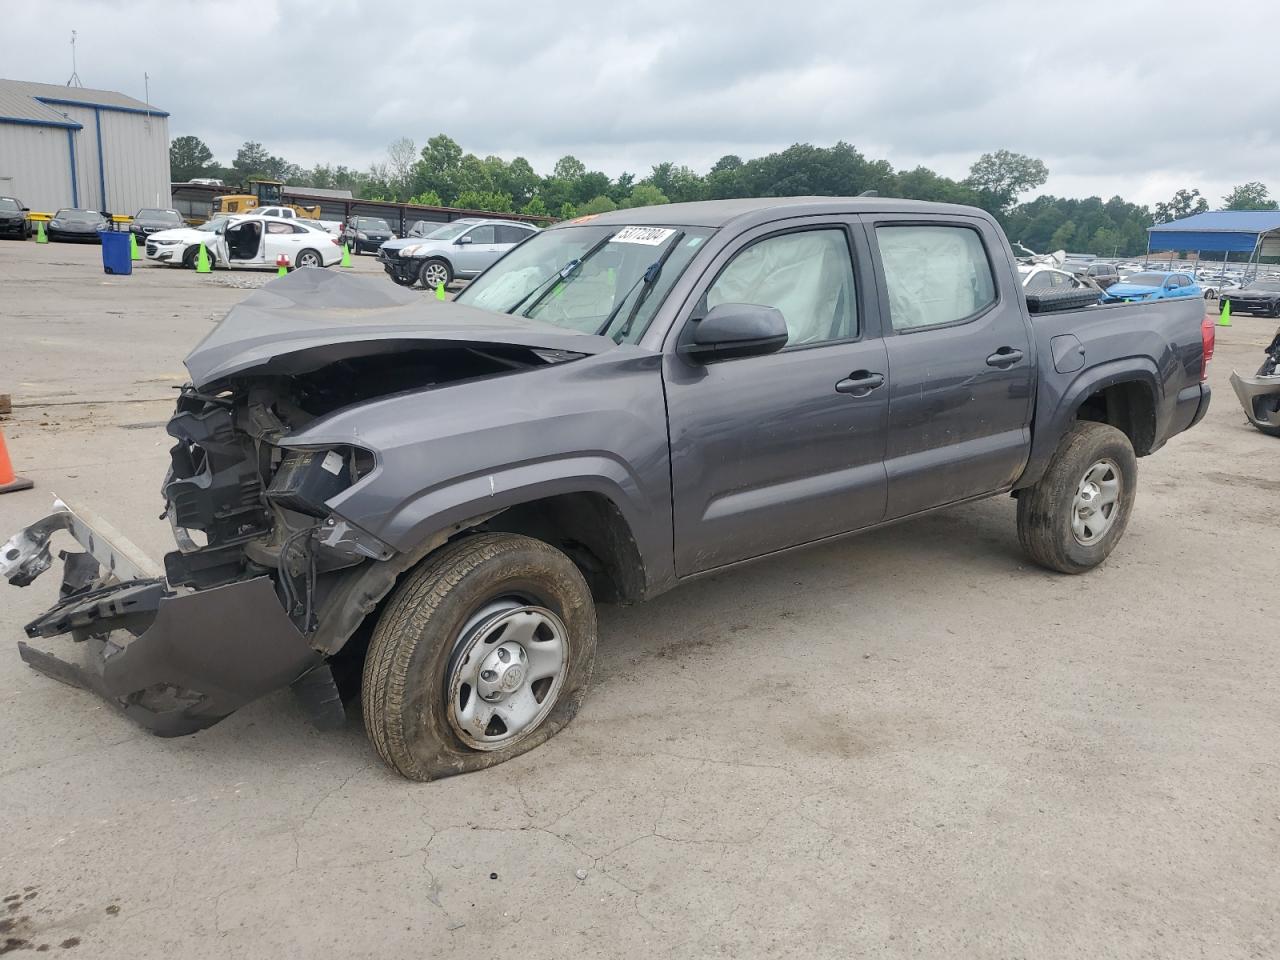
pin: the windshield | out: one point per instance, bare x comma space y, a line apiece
1263, 286
78, 216
1147, 279
168, 216
615, 258
9, 206
372, 223
448, 231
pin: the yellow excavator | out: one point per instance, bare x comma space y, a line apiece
263, 193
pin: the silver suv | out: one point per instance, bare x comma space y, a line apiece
462, 249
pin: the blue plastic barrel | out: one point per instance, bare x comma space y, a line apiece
115, 252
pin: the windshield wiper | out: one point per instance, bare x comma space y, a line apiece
565, 273
648, 278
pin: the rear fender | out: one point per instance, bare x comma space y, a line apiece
1060, 397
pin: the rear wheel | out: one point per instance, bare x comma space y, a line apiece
1071, 520
483, 653
309, 258
435, 272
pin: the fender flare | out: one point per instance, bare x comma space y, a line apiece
1051, 426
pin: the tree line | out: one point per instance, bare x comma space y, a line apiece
442, 174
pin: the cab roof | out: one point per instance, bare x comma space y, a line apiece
718, 213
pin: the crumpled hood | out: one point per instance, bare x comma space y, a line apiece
313, 317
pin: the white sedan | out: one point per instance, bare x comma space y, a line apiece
246, 241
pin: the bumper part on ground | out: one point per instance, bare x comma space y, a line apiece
1260, 397
173, 662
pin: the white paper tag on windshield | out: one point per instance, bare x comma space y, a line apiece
332, 462
649, 236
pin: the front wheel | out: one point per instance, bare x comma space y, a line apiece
483, 653
434, 273
1071, 519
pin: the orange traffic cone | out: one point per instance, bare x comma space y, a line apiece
10, 481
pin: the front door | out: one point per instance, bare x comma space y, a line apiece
476, 249
772, 451
960, 360
244, 242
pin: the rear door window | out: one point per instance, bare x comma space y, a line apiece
936, 274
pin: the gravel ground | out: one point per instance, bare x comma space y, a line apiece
908, 744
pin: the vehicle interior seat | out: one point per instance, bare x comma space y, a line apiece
243, 240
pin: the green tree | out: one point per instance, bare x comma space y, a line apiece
252, 160
1247, 196
600, 204
568, 211
427, 198
402, 154
1063, 237
189, 157
520, 180
535, 208
568, 168
998, 178
645, 195
438, 167
1184, 203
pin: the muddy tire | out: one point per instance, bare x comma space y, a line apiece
434, 670
1071, 520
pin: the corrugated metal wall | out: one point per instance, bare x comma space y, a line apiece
136, 153
134, 169
34, 166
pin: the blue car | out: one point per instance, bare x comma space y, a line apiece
1153, 285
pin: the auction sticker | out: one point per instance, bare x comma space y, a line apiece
649, 236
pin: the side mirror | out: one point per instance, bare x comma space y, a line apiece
733, 330
26, 209
462, 240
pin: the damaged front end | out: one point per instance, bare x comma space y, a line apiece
234, 612
268, 582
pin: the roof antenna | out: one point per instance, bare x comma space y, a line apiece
75, 77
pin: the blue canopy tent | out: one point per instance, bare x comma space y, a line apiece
1221, 231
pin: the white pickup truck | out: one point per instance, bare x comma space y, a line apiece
288, 213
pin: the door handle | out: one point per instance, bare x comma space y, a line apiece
860, 383
1004, 357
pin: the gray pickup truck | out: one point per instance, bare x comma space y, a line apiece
425, 500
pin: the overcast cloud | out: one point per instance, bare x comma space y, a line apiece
623, 85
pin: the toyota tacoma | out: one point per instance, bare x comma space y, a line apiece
431, 497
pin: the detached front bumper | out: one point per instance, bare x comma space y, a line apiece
1260, 397
403, 269
173, 661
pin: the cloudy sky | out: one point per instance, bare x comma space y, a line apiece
1115, 98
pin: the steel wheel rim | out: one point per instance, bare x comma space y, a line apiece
1096, 503
506, 673
433, 274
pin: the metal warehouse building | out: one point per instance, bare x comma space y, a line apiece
75, 147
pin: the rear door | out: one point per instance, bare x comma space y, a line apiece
772, 451
960, 360
283, 238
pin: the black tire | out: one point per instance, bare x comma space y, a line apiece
308, 254
189, 258
1045, 510
396, 278
432, 265
405, 686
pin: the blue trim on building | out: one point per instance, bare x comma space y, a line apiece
102, 172
75, 189
101, 106
28, 122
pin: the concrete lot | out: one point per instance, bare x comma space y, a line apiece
910, 744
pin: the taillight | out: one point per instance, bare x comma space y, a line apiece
1208, 334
